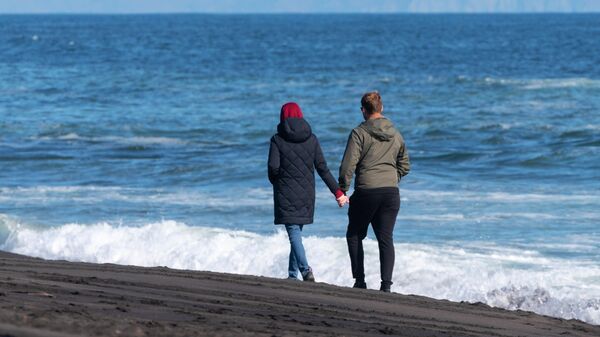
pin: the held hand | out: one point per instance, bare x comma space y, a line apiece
342, 200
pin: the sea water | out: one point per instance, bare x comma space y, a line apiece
143, 140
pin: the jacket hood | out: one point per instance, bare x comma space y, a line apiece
381, 129
294, 130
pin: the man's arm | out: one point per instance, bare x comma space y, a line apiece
273, 163
402, 161
351, 157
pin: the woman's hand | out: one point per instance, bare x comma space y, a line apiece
343, 200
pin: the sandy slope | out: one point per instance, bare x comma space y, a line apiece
57, 298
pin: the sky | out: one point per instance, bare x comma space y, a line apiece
296, 6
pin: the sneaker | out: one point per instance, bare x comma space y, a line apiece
290, 278
308, 276
360, 284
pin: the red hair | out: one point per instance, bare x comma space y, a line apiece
290, 110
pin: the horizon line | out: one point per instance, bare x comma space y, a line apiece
303, 13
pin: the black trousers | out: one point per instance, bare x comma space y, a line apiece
378, 207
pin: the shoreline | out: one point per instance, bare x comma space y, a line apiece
59, 298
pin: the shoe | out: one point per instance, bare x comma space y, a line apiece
360, 284
386, 287
292, 278
308, 276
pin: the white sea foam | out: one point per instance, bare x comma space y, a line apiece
546, 83
561, 83
264, 195
69, 136
478, 272
592, 127
263, 198
134, 140
40, 189
434, 217
453, 217
89, 194
583, 196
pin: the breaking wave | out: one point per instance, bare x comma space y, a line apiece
498, 276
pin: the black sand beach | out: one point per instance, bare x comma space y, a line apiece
57, 298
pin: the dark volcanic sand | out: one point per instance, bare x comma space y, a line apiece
57, 298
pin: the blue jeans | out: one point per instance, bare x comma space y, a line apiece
297, 254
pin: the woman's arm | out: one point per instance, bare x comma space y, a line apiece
324, 173
273, 164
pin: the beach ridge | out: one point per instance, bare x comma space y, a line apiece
58, 298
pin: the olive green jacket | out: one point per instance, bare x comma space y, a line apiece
376, 153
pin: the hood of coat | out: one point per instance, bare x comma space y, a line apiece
295, 130
381, 129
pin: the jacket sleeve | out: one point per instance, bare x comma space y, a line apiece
323, 170
402, 161
352, 155
273, 164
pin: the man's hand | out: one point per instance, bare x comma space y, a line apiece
343, 200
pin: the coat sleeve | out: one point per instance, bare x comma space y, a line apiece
273, 164
323, 170
351, 157
402, 161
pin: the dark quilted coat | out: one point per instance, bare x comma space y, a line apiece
293, 156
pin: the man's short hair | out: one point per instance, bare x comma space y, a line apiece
371, 102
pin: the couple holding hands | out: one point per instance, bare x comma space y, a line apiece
375, 153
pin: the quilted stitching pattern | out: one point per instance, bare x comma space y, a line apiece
293, 153
295, 189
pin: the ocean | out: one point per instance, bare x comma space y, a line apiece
143, 140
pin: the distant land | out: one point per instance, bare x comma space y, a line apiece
308, 6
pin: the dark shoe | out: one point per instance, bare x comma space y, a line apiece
308, 276
360, 285
386, 287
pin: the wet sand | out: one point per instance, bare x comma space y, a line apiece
58, 298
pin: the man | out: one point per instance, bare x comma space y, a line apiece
376, 153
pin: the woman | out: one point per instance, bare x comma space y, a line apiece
293, 156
